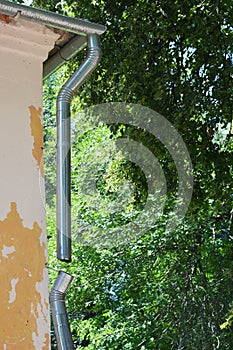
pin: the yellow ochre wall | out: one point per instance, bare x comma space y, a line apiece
24, 309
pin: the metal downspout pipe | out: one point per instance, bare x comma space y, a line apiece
57, 294
63, 146
59, 313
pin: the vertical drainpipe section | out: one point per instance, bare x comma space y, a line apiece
57, 294
63, 146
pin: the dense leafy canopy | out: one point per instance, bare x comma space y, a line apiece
161, 291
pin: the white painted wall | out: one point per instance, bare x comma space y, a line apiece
24, 316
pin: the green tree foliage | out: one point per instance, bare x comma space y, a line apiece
160, 291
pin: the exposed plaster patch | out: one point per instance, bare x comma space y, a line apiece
12, 292
40, 324
29, 272
43, 311
19, 315
37, 133
7, 251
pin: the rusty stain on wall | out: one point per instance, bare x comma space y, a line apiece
22, 261
37, 133
4, 18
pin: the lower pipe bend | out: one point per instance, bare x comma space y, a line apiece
59, 313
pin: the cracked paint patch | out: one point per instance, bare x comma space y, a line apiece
37, 133
20, 299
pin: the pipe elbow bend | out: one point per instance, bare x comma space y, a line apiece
59, 313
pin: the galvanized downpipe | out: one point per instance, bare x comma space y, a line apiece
59, 313
63, 146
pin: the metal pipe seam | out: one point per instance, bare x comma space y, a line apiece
59, 313
68, 51
63, 146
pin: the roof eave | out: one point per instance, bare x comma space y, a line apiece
79, 28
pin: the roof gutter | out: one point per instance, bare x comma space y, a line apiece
55, 20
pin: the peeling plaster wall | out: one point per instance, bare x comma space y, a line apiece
24, 316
